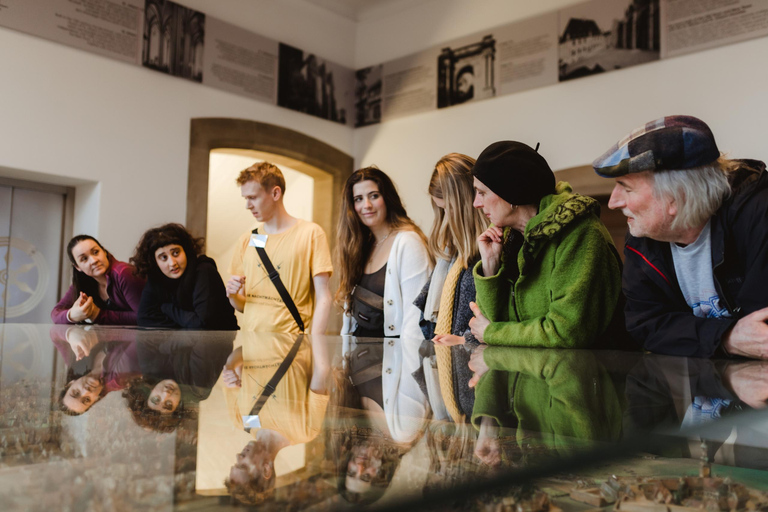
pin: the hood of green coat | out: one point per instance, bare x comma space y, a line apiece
556, 213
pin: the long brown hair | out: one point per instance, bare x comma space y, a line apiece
355, 240
457, 226
82, 282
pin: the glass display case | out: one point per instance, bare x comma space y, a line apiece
99, 418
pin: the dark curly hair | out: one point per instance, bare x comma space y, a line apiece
137, 396
144, 255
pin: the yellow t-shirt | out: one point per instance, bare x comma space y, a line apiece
298, 254
293, 409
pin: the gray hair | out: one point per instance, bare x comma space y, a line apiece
698, 192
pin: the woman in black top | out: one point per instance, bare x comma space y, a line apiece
184, 289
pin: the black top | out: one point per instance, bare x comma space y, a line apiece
375, 283
197, 300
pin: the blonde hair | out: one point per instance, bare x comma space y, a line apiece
457, 225
265, 174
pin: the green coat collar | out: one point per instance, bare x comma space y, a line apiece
556, 212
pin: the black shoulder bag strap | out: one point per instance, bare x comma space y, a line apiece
272, 384
275, 277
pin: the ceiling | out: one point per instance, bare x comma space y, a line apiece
358, 10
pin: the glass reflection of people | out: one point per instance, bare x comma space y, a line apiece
567, 399
666, 394
103, 291
292, 415
376, 379
184, 288
178, 370
561, 288
97, 364
445, 299
381, 257
465, 84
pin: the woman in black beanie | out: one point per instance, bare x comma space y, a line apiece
549, 274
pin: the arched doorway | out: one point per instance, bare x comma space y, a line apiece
327, 166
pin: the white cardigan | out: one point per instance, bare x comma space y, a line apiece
408, 269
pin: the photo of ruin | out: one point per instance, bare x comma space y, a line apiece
604, 35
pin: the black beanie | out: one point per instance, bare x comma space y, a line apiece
515, 172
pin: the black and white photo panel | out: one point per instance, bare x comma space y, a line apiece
603, 35
174, 39
315, 86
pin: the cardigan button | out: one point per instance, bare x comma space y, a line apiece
391, 327
389, 370
391, 343
390, 302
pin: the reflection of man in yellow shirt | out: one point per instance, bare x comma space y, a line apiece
293, 414
297, 249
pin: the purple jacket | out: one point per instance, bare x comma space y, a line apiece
124, 290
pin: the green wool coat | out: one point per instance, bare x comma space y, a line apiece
562, 399
569, 279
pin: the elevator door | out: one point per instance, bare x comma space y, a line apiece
31, 226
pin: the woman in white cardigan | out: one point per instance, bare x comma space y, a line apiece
383, 262
381, 258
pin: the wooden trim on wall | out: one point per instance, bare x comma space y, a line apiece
585, 181
207, 134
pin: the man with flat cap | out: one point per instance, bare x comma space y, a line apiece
696, 255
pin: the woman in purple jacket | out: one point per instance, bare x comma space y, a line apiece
103, 291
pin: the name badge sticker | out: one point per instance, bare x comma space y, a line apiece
251, 422
259, 241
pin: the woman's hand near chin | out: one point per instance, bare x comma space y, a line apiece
489, 244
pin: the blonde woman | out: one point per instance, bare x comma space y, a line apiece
445, 299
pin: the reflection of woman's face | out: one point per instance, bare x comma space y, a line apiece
90, 258
363, 466
369, 203
164, 397
83, 393
171, 260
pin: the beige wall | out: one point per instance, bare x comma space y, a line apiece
120, 133
575, 121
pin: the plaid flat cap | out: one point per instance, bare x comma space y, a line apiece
666, 144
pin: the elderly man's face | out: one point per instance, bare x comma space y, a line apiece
647, 215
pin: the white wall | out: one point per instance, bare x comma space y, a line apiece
575, 121
120, 133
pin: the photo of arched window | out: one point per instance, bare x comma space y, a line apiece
174, 39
